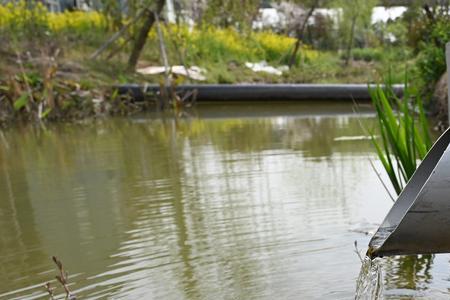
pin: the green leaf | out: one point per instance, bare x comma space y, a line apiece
46, 112
114, 95
21, 102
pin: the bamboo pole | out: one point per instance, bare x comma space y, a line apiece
177, 49
165, 93
162, 48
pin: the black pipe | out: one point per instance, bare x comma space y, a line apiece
263, 92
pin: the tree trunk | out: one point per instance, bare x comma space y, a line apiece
143, 34
429, 13
350, 41
294, 52
300, 34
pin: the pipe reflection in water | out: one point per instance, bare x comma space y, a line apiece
409, 276
217, 206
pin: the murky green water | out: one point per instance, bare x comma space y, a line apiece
231, 202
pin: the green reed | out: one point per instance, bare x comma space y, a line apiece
404, 133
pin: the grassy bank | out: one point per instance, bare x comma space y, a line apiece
221, 51
46, 70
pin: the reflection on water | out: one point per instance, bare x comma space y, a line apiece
412, 277
222, 205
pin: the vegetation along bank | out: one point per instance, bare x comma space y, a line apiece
47, 70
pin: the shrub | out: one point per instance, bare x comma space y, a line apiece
77, 22
365, 54
213, 44
431, 59
23, 20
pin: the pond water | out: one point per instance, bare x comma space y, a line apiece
225, 202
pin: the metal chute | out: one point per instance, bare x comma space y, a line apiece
419, 221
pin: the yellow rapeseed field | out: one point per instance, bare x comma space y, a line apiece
208, 43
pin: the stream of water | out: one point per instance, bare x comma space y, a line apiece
369, 285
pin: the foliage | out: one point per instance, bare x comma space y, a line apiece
358, 11
356, 19
76, 22
431, 60
20, 16
225, 13
405, 137
23, 20
208, 43
394, 33
366, 54
277, 46
380, 54
221, 50
32, 22
424, 28
213, 44
32, 95
321, 33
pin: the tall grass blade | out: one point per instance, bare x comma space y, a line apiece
404, 131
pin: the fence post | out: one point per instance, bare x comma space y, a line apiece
447, 55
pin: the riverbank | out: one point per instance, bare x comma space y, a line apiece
46, 69
225, 54
59, 85
29, 97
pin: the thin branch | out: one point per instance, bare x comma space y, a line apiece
381, 180
63, 278
165, 93
116, 35
357, 251
356, 111
119, 48
162, 48
180, 56
49, 290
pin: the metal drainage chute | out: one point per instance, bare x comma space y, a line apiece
419, 221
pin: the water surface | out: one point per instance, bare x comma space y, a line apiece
224, 202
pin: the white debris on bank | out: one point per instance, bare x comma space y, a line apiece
193, 72
352, 138
262, 66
